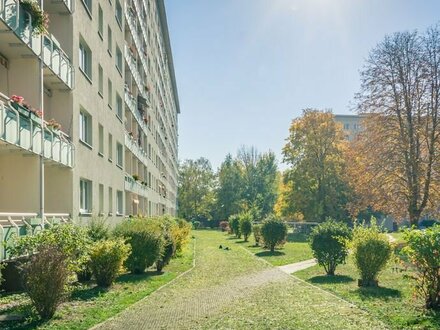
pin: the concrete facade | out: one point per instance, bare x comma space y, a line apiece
351, 125
109, 81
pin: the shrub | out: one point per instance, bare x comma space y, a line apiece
371, 252
274, 232
145, 237
423, 250
168, 252
234, 222
328, 243
256, 229
70, 239
98, 229
196, 225
246, 225
107, 258
181, 234
224, 226
46, 277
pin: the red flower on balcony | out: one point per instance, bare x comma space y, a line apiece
17, 99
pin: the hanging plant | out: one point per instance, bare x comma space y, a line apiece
54, 125
40, 19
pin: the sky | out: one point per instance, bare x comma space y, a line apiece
246, 68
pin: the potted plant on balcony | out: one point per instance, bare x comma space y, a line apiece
39, 19
53, 125
135, 177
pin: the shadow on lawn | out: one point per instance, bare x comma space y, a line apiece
326, 279
269, 253
378, 293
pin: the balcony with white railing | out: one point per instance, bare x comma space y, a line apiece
16, 30
136, 150
132, 65
21, 130
135, 186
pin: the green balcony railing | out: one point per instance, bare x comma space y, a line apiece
23, 130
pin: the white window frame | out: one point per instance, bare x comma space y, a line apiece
85, 128
85, 196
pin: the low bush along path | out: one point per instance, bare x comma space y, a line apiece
233, 289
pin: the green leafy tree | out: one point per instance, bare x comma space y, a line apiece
315, 180
274, 232
196, 189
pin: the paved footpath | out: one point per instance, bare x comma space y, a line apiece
297, 266
236, 290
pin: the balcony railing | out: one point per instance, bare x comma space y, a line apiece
14, 225
135, 186
19, 22
24, 131
131, 144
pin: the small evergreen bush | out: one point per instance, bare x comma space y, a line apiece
45, 276
106, 260
145, 237
246, 225
328, 243
168, 252
371, 252
423, 250
274, 232
234, 222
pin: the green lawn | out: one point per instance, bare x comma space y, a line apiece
399, 237
90, 305
393, 302
296, 249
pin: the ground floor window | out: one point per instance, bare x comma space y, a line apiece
85, 196
120, 202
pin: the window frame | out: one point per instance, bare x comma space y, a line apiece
85, 128
85, 196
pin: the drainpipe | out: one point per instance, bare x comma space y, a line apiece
42, 124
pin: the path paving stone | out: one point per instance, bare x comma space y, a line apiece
297, 266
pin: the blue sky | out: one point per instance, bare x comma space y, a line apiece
246, 68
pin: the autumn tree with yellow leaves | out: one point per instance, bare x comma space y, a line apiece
314, 183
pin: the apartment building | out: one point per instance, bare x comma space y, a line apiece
108, 80
351, 125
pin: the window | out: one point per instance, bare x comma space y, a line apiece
119, 202
85, 59
88, 5
85, 127
85, 196
109, 41
110, 147
119, 155
119, 109
101, 199
100, 22
346, 126
101, 81
101, 140
119, 59
110, 93
119, 13
110, 201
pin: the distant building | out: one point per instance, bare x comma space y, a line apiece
351, 125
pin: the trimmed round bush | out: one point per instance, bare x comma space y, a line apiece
246, 225
106, 260
45, 277
145, 237
234, 223
423, 250
371, 252
274, 232
328, 243
256, 229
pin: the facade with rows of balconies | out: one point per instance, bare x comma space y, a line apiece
110, 106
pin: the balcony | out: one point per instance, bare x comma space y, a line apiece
20, 224
59, 6
18, 41
135, 149
132, 105
22, 131
135, 186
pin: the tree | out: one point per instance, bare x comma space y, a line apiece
229, 190
196, 189
395, 165
314, 150
246, 225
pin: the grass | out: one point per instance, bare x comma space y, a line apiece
296, 249
89, 305
398, 236
393, 302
